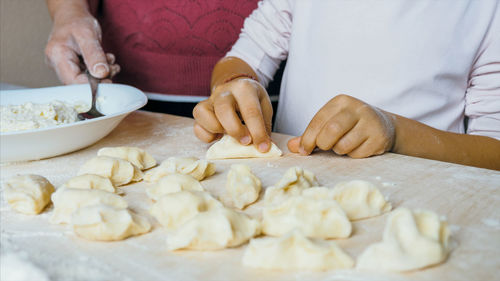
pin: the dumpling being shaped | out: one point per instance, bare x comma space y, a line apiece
228, 147
412, 240
90, 181
106, 223
314, 218
215, 229
173, 183
28, 194
295, 251
198, 169
68, 200
134, 155
292, 183
242, 186
359, 199
174, 209
119, 171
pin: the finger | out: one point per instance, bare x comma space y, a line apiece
204, 115
308, 140
251, 112
366, 149
350, 141
225, 111
114, 69
293, 144
110, 58
334, 129
203, 134
92, 52
267, 111
66, 64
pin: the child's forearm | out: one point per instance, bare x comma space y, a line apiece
416, 139
228, 68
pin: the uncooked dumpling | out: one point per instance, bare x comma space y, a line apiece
28, 194
89, 181
119, 171
228, 147
412, 240
68, 200
173, 183
134, 155
242, 186
215, 229
315, 218
174, 209
106, 223
293, 182
198, 169
295, 251
359, 199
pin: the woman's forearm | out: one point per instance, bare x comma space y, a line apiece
67, 7
416, 139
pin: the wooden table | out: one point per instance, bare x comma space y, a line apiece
468, 197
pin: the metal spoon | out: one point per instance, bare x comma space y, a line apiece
93, 112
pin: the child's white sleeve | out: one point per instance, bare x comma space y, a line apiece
482, 100
263, 42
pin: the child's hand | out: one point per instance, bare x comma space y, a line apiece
231, 103
347, 126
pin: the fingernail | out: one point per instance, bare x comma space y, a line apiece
264, 147
100, 69
245, 140
302, 151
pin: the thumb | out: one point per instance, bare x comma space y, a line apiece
293, 144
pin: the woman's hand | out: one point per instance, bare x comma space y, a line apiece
347, 126
231, 103
76, 34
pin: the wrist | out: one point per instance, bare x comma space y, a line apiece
69, 11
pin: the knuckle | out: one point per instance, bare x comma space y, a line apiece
323, 145
334, 127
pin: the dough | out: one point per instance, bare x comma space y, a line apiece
105, 223
242, 186
228, 147
359, 199
119, 171
173, 183
412, 240
215, 229
89, 181
198, 169
174, 209
295, 251
293, 182
28, 194
316, 218
134, 155
67, 200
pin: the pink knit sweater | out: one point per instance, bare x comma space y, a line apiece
171, 46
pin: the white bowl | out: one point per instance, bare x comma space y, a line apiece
114, 100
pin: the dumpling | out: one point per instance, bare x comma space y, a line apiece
228, 147
119, 171
359, 199
28, 194
68, 200
198, 169
106, 223
134, 155
315, 218
173, 183
174, 209
295, 251
89, 181
242, 186
215, 229
412, 240
293, 182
